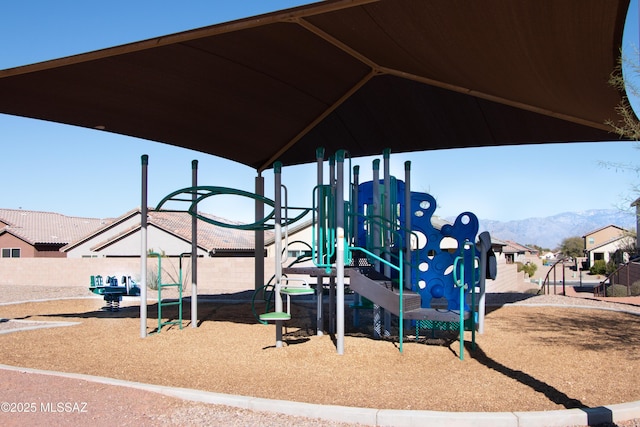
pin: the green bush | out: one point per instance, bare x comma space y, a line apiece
528, 268
617, 291
611, 267
635, 288
598, 267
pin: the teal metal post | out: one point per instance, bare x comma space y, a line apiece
143, 249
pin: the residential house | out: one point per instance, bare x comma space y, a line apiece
168, 233
600, 243
35, 234
515, 252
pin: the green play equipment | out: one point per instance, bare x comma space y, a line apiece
170, 303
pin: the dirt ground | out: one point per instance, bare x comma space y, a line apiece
530, 357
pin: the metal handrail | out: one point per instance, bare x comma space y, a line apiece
546, 283
399, 269
601, 289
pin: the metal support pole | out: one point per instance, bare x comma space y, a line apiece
357, 299
194, 247
143, 249
485, 246
407, 233
259, 235
407, 224
277, 168
375, 231
387, 231
340, 252
319, 306
319, 204
564, 281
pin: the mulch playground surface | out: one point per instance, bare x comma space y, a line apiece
529, 358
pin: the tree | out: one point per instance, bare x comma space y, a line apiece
627, 126
572, 247
538, 248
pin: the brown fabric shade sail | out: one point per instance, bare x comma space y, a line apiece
362, 75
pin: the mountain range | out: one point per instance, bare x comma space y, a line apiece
548, 232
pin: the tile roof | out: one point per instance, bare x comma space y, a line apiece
513, 247
602, 228
209, 236
47, 227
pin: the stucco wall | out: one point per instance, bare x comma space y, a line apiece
219, 275
215, 275
601, 236
10, 241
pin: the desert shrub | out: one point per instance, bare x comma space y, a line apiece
598, 267
611, 267
617, 291
635, 288
528, 268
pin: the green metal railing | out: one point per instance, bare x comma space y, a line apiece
203, 192
459, 264
399, 269
161, 286
397, 234
323, 232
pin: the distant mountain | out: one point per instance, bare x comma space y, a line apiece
549, 232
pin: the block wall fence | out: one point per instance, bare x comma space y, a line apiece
215, 275
219, 275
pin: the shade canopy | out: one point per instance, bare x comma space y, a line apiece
363, 75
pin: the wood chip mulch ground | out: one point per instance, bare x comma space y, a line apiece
531, 357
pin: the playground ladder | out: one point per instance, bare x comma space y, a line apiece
161, 302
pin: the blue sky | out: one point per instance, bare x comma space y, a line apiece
84, 172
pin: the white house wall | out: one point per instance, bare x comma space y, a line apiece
129, 246
157, 241
84, 248
609, 248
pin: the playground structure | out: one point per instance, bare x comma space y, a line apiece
113, 291
380, 237
170, 303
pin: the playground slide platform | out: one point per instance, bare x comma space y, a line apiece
435, 315
380, 292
